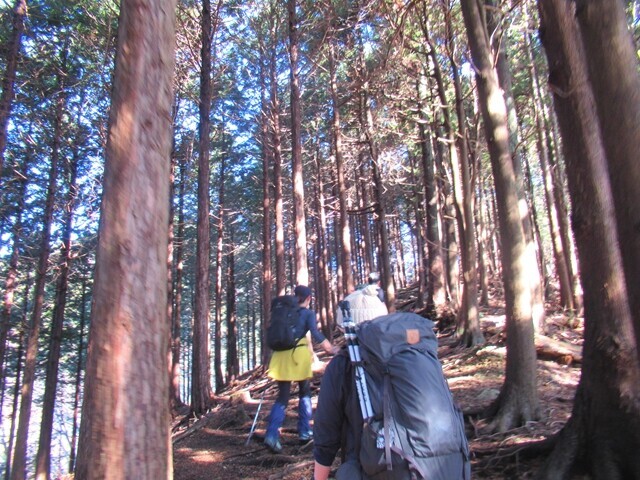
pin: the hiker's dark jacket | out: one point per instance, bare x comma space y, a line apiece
337, 418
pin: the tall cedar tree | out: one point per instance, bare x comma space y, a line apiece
606, 412
200, 371
43, 458
613, 73
11, 280
468, 328
276, 145
518, 399
127, 363
217, 354
345, 231
299, 222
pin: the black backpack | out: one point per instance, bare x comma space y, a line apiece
417, 431
281, 333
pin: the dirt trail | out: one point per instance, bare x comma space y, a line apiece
214, 447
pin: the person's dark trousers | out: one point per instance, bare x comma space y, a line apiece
277, 415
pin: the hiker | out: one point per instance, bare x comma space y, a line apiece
403, 380
374, 280
294, 365
364, 304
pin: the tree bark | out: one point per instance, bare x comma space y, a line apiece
518, 399
16, 385
217, 351
606, 412
267, 159
468, 329
504, 76
201, 378
11, 284
176, 314
126, 372
281, 277
299, 221
233, 362
345, 229
451, 245
78, 380
613, 73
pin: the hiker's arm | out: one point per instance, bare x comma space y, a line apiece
318, 337
329, 416
321, 472
327, 347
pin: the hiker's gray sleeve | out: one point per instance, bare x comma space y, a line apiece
329, 416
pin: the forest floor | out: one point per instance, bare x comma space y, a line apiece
215, 446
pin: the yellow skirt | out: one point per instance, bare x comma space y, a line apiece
291, 365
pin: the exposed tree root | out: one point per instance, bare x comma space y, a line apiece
491, 457
560, 463
510, 410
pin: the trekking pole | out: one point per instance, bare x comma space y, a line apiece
255, 419
356, 360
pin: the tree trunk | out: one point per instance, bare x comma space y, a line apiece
468, 330
16, 385
380, 208
606, 412
345, 230
555, 210
201, 377
43, 458
78, 380
518, 400
9, 79
299, 222
451, 245
435, 262
323, 306
281, 277
481, 234
613, 72
233, 362
10, 284
365, 201
176, 324
126, 372
19, 469
217, 355
267, 269
504, 77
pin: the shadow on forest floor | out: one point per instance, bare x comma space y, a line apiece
214, 447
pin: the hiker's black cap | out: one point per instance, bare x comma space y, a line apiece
302, 292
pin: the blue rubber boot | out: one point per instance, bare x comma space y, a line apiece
272, 437
304, 417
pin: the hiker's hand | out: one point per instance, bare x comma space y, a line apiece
335, 349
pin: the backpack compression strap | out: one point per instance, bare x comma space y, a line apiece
414, 468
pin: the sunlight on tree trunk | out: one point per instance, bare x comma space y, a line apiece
518, 400
124, 432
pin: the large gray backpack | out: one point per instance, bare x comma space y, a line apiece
417, 431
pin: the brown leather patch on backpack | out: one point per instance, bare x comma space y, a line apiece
413, 336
